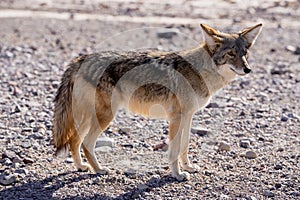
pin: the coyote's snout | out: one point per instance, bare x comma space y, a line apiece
96, 86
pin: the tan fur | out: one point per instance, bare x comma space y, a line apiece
170, 85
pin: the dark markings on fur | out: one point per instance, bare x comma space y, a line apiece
155, 72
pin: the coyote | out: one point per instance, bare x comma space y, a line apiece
168, 85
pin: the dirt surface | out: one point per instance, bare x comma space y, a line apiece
250, 150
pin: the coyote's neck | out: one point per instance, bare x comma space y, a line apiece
215, 77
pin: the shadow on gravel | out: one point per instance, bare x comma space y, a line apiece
44, 189
138, 191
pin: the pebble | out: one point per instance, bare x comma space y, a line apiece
105, 141
6, 161
268, 193
200, 131
295, 193
224, 146
7, 180
251, 155
252, 198
37, 136
131, 173
297, 52
167, 33
26, 144
9, 54
69, 160
142, 187
21, 171
278, 167
162, 146
124, 131
28, 160
245, 143
213, 105
9, 154
154, 179
293, 49
290, 48
187, 186
284, 118
104, 149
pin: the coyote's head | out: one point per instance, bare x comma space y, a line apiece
231, 49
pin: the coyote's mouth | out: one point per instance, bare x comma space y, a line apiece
237, 72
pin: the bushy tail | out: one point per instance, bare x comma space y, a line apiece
63, 121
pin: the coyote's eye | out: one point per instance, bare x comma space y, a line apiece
231, 54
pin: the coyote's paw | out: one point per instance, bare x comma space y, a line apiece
83, 167
192, 168
102, 171
182, 176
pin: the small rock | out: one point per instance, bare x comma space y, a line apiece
17, 91
131, 173
290, 48
200, 131
224, 146
41, 129
127, 146
104, 149
245, 143
224, 196
294, 116
251, 155
154, 179
69, 160
7, 180
21, 171
104, 141
6, 161
9, 154
284, 118
297, 52
268, 193
37, 136
9, 54
16, 160
124, 131
163, 146
28, 160
207, 173
295, 193
252, 198
278, 167
213, 105
142, 187
26, 144
187, 186
277, 185
166, 33
27, 129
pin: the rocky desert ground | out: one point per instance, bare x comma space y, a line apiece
246, 141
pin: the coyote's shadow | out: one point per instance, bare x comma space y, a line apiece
45, 188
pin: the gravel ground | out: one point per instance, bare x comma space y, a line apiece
247, 141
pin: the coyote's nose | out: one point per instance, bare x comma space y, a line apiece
247, 70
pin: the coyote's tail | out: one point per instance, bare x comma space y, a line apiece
63, 121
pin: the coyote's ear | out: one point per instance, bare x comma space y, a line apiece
212, 37
251, 34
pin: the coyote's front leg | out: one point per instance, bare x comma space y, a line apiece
184, 149
177, 124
